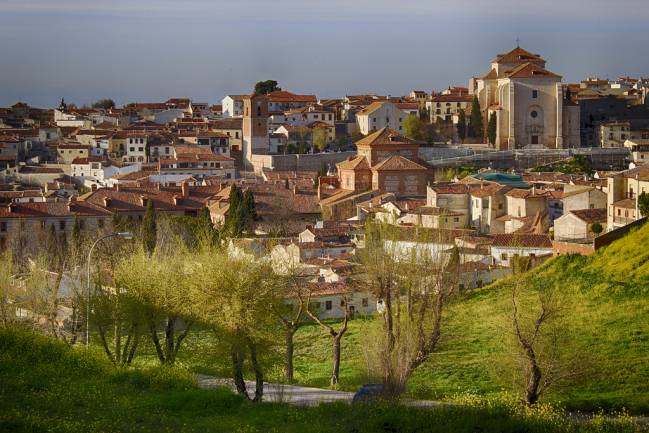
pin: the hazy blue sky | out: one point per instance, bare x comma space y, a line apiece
150, 50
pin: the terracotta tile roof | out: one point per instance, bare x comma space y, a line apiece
531, 70
626, 203
384, 136
518, 55
524, 240
358, 163
436, 211
51, 209
590, 215
285, 96
85, 161
450, 188
233, 123
525, 193
452, 98
488, 189
397, 163
35, 169
322, 289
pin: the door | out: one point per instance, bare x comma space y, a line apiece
535, 139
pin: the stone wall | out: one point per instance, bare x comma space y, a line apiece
292, 162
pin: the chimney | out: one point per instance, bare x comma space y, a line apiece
117, 186
176, 201
184, 188
93, 187
142, 201
9, 206
106, 202
295, 189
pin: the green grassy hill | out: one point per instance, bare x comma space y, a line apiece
608, 298
46, 386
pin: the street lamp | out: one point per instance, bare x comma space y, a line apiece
123, 235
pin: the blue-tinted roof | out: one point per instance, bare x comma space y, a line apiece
513, 180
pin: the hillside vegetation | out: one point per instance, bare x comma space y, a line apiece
47, 386
606, 297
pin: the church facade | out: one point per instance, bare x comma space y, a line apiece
528, 101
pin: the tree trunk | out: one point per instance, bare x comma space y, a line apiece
131, 353
237, 372
533, 379
170, 328
288, 367
156, 342
335, 374
104, 343
259, 374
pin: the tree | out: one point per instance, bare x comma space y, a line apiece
236, 219
204, 231
643, 204
149, 228
75, 236
237, 296
105, 104
540, 334
319, 137
491, 128
412, 302
249, 210
597, 228
8, 289
476, 129
336, 338
62, 105
265, 87
461, 125
413, 127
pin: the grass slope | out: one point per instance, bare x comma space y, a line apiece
46, 386
608, 296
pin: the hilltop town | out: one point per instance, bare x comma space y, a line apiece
274, 212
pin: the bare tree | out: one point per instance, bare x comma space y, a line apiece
413, 278
540, 335
336, 337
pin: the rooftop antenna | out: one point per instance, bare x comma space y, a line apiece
518, 42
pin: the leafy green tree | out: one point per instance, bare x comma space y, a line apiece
643, 204
149, 228
461, 125
205, 232
476, 129
596, 228
319, 137
491, 128
265, 87
413, 127
235, 221
106, 104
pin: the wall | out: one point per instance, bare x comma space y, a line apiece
292, 162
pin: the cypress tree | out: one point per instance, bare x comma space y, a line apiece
149, 228
461, 125
249, 209
491, 128
236, 219
476, 129
75, 236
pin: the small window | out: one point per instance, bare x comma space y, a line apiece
100, 224
342, 302
535, 94
364, 302
534, 114
61, 225
328, 305
3, 226
503, 256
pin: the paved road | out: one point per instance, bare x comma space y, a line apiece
296, 395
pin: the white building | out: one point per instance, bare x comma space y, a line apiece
380, 114
528, 102
232, 105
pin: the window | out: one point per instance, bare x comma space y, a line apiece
3, 226
342, 302
535, 94
328, 305
100, 224
61, 225
364, 302
534, 114
503, 256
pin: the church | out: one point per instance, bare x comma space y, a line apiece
529, 102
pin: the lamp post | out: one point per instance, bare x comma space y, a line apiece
123, 235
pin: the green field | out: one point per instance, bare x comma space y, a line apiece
47, 386
608, 297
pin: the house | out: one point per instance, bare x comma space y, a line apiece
29, 222
400, 176
614, 133
232, 127
505, 247
67, 152
328, 300
218, 142
443, 107
232, 106
475, 274
135, 147
379, 115
639, 150
197, 161
282, 100
451, 196
623, 189
576, 225
577, 197
488, 202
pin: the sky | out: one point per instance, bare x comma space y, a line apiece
151, 50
